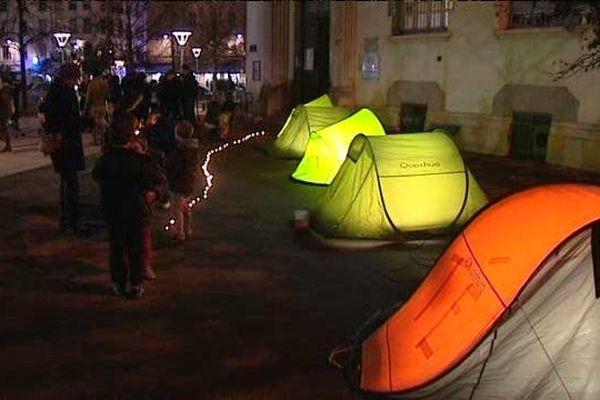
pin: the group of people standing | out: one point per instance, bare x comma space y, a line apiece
149, 155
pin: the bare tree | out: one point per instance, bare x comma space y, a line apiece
25, 27
222, 24
214, 25
125, 23
589, 13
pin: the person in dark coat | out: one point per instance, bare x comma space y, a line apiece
130, 181
189, 95
169, 97
182, 172
62, 118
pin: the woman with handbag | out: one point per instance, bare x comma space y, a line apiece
65, 143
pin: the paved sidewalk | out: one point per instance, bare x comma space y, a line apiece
26, 154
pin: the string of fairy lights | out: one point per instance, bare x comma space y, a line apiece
209, 177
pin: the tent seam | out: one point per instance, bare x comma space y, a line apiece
487, 358
466, 195
546, 353
481, 270
385, 211
357, 193
389, 355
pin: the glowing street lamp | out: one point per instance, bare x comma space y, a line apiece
196, 51
182, 38
62, 38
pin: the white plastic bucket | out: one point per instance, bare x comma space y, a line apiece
301, 219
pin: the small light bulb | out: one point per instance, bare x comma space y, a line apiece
172, 221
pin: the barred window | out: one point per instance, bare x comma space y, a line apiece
6, 53
545, 13
419, 16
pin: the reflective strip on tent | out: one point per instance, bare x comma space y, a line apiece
327, 147
398, 183
293, 138
474, 283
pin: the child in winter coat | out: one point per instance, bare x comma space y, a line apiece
182, 172
129, 182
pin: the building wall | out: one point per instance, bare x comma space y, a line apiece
259, 32
475, 75
271, 33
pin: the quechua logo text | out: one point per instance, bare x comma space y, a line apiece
420, 164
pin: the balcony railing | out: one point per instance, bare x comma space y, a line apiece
541, 14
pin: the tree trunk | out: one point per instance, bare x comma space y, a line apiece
129, 35
22, 52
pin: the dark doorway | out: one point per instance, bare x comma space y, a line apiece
529, 135
314, 68
412, 117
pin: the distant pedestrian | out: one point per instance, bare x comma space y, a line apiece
189, 95
96, 106
63, 122
16, 114
218, 116
169, 97
182, 173
129, 182
6, 110
116, 94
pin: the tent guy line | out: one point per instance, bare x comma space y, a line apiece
208, 176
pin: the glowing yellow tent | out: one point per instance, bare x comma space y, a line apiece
322, 101
395, 184
509, 311
327, 147
293, 138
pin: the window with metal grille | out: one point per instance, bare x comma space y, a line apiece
3, 6
412, 117
6, 53
535, 14
42, 5
419, 16
529, 133
72, 6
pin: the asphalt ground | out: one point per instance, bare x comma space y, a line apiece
248, 309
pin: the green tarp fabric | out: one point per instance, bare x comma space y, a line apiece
327, 147
292, 139
399, 184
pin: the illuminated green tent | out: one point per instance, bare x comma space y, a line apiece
323, 101
398, 184
327, 147
292, 139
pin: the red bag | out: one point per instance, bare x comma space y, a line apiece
51, 144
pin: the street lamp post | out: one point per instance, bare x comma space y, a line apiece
196, 51
182, 38
62, 38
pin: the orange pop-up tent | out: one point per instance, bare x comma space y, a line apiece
508, 311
